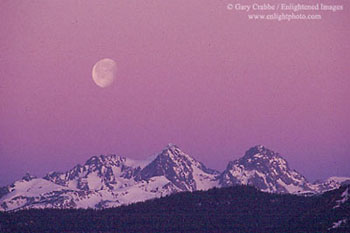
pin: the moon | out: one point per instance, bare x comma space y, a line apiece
104, 72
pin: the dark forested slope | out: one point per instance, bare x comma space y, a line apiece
232, 209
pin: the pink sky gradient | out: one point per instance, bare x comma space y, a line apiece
190, 72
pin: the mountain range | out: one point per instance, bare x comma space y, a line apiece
110, 180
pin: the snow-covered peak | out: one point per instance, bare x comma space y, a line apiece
171, 145
266, 170
173, 151
178, 167
178, 157
260, 152
111, 159
339, 180
333, 182
99, 172
172, 155
28, 177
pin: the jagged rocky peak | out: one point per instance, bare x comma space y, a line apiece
172, 155
176, 166
103, 162
260, 152
28, 177
169, 158
173, 151
263, 158
110, 159
98, 172
266, 170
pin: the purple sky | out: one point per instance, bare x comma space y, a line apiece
189, 72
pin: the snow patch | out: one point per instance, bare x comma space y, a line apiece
345, 197
139, 163
258, 156
338, 179
204, 181
338, 224
291, 188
